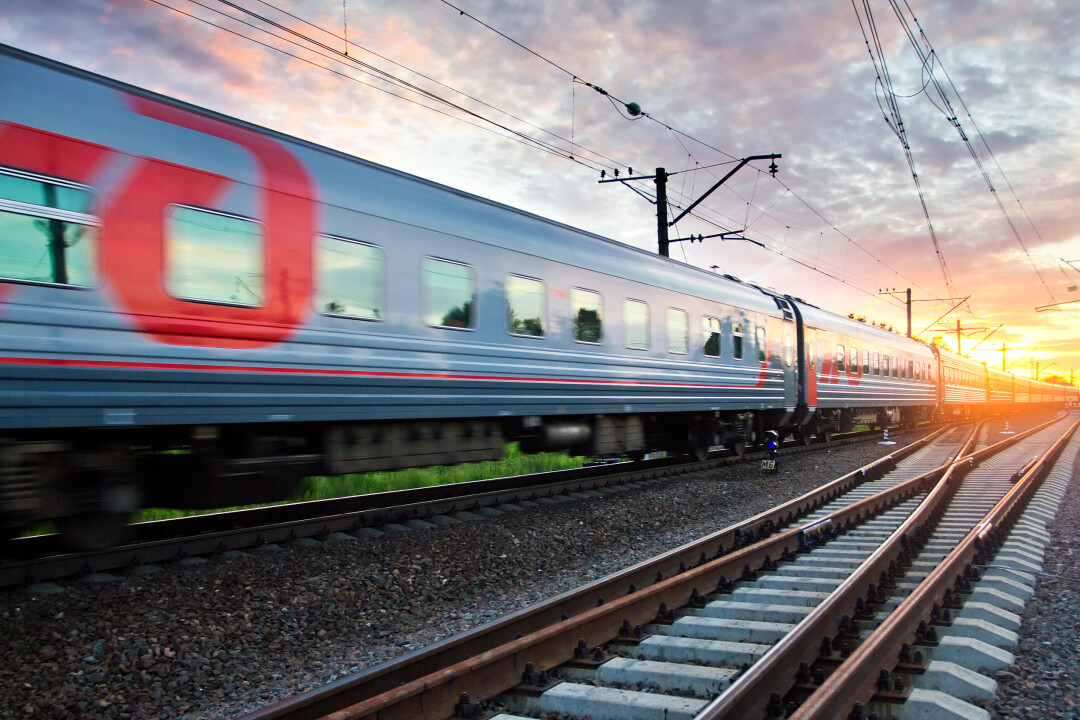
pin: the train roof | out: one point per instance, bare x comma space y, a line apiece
816, 317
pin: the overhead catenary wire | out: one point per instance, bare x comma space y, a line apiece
614, 99
449, 108
575, 78
893, 118
927, 55
512, 134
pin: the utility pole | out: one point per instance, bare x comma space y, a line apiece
959, 332
909, 312
661, 211
1044, 368
661, 178
907, 302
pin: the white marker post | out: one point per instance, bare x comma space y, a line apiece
886, 440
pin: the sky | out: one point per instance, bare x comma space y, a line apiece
716, 81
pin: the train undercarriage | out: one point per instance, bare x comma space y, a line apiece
90, 482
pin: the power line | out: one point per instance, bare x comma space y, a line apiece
354, 63
893, 118
673, 130
329, 53
927, 56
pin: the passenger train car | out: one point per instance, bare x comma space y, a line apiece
195, 312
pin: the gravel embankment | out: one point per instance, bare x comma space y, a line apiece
217, 638
1044, 682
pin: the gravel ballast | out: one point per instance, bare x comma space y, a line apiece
216, 638
1044, 681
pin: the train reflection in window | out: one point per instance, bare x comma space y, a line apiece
587, 309
213, 257
526, 306
449, 294
710, 336
48, 234
351, 278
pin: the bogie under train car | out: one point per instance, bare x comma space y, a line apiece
195, 312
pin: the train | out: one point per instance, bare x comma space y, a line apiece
196, 312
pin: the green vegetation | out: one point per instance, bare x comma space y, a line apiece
514, 463
322, 488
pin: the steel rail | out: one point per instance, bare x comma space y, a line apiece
749, 695
854, 680
428, 682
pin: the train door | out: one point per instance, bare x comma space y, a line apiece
788, 340
806, 363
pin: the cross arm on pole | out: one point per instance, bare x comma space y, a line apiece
737, 168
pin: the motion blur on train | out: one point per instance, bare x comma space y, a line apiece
196, 312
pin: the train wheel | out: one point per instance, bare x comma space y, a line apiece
698, 439
738, 448
93, 530
804, 434
825, 432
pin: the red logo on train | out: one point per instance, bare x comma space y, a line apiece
133, 226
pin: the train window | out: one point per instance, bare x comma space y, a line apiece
736, 341
761, 352
710, 336
865, 362
895, 366
877, 363
853, 362
884, 365
49, 235
911, 369
789, 350
636, 324
449, 294
678, 331
214, 257
587, 308
840, 358
351, 278
526, 306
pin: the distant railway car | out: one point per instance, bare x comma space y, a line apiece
859, 374
1002, 385
964, 384
195, 312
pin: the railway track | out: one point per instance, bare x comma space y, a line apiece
798, 610
42, 558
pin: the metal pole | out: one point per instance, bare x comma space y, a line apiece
958, 337
661, 210
909, 312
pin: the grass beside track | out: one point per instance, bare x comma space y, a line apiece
326, 487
